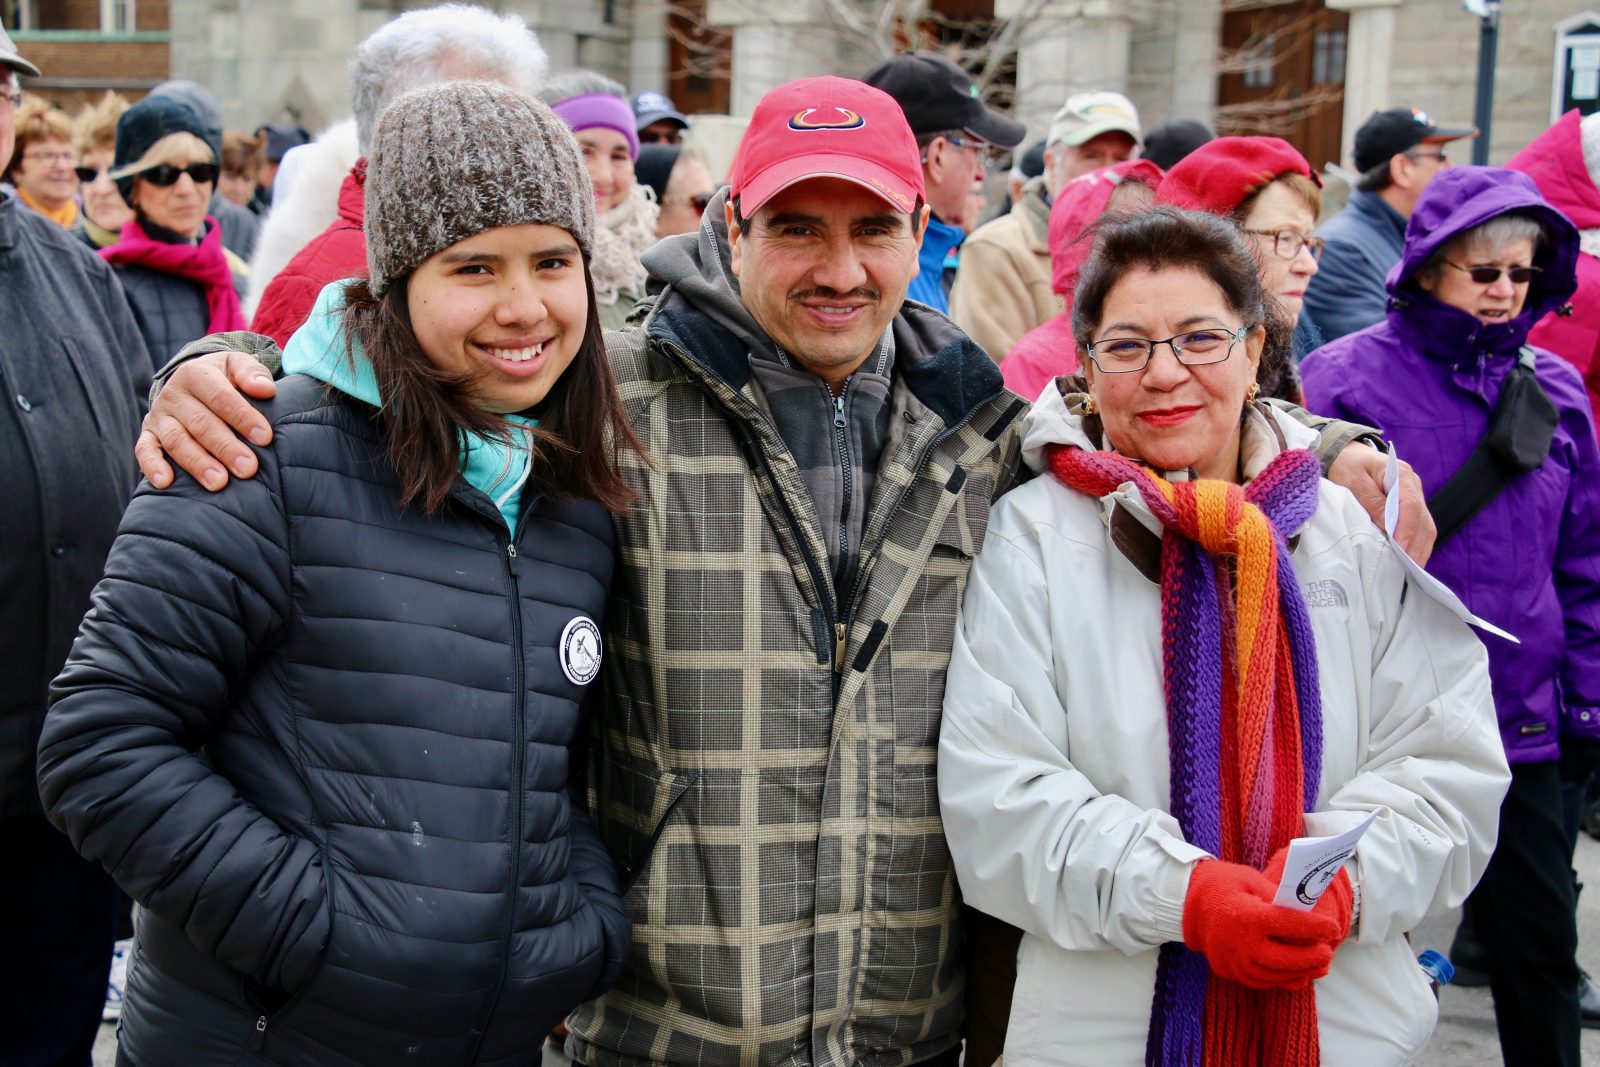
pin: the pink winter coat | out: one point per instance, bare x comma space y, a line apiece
1048, 351
1554, 160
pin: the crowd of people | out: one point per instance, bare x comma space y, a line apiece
784, 617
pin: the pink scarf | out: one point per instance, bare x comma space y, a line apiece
204, 263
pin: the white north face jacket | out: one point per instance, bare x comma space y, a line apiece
1053, 763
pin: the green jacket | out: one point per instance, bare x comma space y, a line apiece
765, 770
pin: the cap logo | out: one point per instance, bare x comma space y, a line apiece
849, 121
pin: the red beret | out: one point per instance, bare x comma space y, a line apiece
1220, 175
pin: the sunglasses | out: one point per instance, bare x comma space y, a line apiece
699, 200
1487, 275
89, 174
165, 174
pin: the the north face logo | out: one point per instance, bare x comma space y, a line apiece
1326, 593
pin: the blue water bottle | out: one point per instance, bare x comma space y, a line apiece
1439, 969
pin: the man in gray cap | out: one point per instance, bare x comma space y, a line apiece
74, 371
1003, 289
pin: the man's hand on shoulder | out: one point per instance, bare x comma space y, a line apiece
1360, 469
199, 417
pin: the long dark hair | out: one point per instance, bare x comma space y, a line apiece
427, 412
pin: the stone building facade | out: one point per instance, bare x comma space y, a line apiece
1311, 70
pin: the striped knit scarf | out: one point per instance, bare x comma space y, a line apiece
1244, 723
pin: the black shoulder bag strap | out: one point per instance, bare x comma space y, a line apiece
1517, 441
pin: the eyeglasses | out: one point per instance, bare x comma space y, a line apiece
1488, 275
699, 200
166, 174
1440, 156
1288, 243
1197, 348
50, 157
12, 98
89, 174
987, 151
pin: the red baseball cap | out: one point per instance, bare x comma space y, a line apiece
1220, 175
827, 128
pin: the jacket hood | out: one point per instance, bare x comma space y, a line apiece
1554, 160
1080, 202
699, 266
1457, 200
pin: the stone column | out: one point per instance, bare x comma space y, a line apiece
773, 44
647, 48
1369, 54
1068, 48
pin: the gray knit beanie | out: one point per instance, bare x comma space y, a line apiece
456, 158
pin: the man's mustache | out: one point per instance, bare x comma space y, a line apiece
862, 293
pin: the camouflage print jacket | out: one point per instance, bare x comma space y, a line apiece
766, 776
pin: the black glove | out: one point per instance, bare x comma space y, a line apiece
1580, 758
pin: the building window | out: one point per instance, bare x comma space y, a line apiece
1577, 66
1327, 58
118, 16
1259, 60
23, 16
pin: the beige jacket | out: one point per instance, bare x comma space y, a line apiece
1003, 287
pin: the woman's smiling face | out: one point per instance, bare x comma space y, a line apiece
507, 307
1168, 414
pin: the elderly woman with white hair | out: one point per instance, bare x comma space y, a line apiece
313, 235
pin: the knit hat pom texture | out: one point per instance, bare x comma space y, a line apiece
454, 159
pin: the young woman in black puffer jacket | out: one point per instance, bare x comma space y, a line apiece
323, 724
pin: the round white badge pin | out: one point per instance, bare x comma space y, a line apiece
580, 650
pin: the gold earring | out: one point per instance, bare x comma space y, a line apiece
1089, 407
1251, 393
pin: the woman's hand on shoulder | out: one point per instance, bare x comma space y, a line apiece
199, 418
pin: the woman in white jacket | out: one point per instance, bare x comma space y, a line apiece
1180, 649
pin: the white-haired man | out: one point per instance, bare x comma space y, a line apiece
451, 41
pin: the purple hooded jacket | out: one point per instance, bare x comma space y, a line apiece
1429, 376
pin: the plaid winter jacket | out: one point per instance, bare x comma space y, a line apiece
766, 766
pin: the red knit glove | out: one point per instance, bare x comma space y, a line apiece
1230, 919
1337, 902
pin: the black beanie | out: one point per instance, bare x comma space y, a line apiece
145, 123
654, 166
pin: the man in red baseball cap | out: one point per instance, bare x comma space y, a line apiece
823, 459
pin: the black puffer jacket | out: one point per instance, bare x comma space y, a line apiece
326, 744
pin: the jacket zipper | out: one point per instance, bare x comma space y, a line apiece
859, 587
841, 441
518, 770
759, 457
